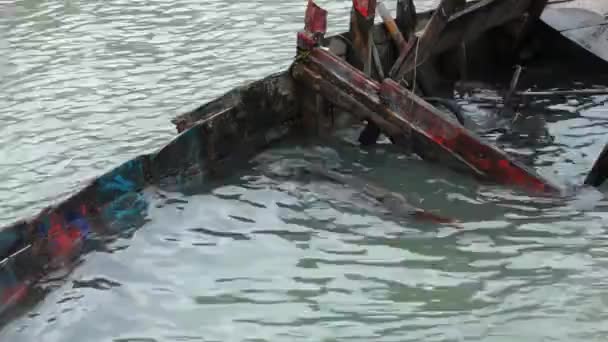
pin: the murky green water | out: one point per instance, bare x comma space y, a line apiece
271, 256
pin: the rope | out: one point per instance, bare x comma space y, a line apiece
415, 73
302, 56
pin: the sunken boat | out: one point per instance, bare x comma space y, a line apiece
395, 76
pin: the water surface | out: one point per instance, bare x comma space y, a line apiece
271, 255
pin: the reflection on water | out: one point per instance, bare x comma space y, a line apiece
271, 255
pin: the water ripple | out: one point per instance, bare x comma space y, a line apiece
272, 256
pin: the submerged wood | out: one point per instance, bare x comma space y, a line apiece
396, 203
434, 136
512, 86
429, 124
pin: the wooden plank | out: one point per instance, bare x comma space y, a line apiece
391, 27
423, 47
530, 22
371, 133
270, 98
361, 23
441, 136
315, 111
427, 79
406, 19
493, 163
315, 19
315, 82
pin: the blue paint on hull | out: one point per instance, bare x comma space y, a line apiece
112, 203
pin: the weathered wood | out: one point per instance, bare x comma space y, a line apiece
441, 137
426, 78
371, 133
316, 115
406, 19
315, 19
272, 97
486, 159
377, 62
391, 26
512, 88
361, 23
422, 49
315, 82
530, 22
395, 203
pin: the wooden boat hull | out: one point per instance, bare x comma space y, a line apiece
241, 122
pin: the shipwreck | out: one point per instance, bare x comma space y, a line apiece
394, 75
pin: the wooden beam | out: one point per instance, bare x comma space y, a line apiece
361, 23
407, 19
315, 82
422, 48
431, 124
315, 19
391, 27
316, 114
435, 135
426, 81
530, 22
